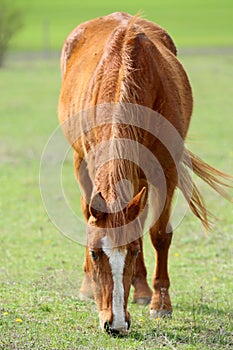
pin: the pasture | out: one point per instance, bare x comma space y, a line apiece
40, 269
192, 23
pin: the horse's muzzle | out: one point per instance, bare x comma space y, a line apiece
118, 331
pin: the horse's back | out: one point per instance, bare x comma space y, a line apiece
92, 61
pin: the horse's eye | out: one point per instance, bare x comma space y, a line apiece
94, 255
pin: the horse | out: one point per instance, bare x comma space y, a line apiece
125, 107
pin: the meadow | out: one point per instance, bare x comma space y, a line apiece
41, 270
192, 23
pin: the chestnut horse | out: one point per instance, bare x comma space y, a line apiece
117, 69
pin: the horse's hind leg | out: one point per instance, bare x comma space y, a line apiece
161, 236
82, 176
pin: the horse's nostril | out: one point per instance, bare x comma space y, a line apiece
116, 332
110, 330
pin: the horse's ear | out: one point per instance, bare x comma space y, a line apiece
136, 205
98, 206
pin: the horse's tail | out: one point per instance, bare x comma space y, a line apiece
216, 179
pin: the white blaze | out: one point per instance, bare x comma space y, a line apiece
117, 263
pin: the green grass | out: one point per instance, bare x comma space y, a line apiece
41, 270
191, 23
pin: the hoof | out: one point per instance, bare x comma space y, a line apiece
160, 313
142, 301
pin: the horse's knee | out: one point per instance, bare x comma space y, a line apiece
161, 240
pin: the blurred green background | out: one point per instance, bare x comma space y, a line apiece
40, 270
192, 23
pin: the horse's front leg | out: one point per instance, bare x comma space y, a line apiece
82, 176
161, 237
142, 292
85, 291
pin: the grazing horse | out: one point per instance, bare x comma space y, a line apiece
126, 100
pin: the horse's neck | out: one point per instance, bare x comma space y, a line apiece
118, 182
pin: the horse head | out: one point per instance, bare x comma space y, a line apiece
111, 258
